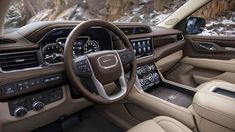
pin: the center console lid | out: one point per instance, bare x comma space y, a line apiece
215, 102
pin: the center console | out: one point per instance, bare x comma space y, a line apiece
214, 105
150, 82
148, 76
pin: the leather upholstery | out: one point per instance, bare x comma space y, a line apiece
160, 124
215, 107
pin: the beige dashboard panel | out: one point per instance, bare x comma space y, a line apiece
48, 114
220, 65
167, 62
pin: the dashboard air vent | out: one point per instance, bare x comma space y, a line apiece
18, 60
127, 31
180, 37
135, 30
142, 30
7, 41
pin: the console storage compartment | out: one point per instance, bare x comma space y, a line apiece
151, 82
173, 94
215, 104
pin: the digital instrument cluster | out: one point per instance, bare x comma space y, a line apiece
53, 53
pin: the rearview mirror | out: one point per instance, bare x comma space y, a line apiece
195, 25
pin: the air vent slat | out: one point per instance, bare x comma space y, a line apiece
16, 60
135, 30
19, 60
142, 30
127, 31
20, 64
9, 57
6, 41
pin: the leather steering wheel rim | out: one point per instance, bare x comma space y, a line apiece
68, 60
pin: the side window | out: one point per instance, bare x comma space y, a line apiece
219, 16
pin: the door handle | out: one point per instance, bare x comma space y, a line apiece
229, 49
205, 46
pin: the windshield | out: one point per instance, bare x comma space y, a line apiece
149, 12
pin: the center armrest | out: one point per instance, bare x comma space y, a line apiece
215, 102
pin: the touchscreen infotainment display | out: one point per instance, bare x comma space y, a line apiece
142, 47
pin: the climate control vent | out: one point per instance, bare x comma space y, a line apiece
18, 60
142, 30
128, 30
180, 37
7, 41
136, 30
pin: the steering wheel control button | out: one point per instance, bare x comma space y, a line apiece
20, 111
38, 105
83, 68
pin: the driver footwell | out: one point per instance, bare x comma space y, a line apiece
88, 120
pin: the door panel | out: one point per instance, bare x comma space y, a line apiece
213, 64
225, 45
206, 58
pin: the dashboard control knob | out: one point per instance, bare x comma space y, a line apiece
142, 82
20, 111
151, 78
38, 105
156, 76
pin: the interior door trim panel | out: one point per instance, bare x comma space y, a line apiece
225, 47
219, 65
227, 76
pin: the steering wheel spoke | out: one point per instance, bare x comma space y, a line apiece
126, 56
102, 92
82, 66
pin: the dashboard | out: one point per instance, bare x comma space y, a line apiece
92, 40
33, 81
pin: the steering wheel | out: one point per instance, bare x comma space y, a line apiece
101, 67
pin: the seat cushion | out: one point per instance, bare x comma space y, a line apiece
160, 124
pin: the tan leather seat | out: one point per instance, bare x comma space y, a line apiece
160, 124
